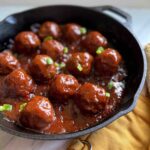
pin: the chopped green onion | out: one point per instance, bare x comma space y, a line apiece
107, 94
110, 85
22, 106
49, 61
62, 65
65, 50
99, 50
79, 67
48, 38
83, 30
56, 64
6, 107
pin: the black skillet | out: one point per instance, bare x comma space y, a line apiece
94, 18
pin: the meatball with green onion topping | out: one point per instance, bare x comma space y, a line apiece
80, 63
107, 62
42, 68
73, 32
93, 40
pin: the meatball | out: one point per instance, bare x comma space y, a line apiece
8, 63
90, 98
63, 87
107, 62
16, 84
52, 48
37, 114
42, 68
80, 63
72, 32
93, 40
26, 42
49, 29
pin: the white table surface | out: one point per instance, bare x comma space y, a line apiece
141, 28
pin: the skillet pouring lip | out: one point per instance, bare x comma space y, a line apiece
38, 136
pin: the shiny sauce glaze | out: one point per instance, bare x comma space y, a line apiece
60, 78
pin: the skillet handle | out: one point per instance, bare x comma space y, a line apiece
117, 13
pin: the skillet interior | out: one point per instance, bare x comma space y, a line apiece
116, 33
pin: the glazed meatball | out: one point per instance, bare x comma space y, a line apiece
8, 63
42, 68
90, 98
49, 29
93, 40
17, 83
52, 48
26, 42
80, 63
107, 62
63, 87
37, 114
72, 32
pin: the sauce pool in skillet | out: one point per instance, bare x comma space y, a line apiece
60, 78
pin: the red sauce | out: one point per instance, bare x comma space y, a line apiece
69, 118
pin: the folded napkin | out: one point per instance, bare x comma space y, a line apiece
147, 51
130, 132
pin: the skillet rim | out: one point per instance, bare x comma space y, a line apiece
39, 136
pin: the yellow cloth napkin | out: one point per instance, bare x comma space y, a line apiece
130, 132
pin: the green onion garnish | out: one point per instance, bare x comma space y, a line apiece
110, 85
48, 38
49, 61
22, 106
6, 107
62, 65
65, 50
79, 67
107, 94
56, 64
99, 50
83, 30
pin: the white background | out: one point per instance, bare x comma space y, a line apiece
120, 3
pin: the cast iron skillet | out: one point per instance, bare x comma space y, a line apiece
93, 18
